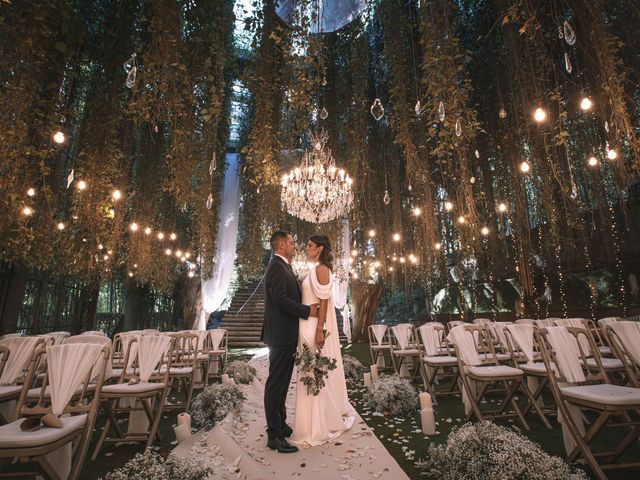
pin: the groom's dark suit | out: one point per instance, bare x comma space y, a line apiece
280, 333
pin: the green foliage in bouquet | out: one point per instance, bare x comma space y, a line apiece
313, 368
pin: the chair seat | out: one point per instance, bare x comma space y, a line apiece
406, 351
440, 360
603, 393
501, 357
125, 388
35, 392
116, 372
605, 351
7, 392
217, 352
534, 368
495, 371
177, 370
381, 347
203, 356
607, 363
12, 437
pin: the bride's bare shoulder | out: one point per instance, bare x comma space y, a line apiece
323, 273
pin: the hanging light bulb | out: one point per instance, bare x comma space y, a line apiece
502, 113
586, 104
167, 252
484, 231
27, 211
323, 113
524, 167
376, 264
58, 137
133, 227
372, 233
472, 180
402, 259
354, 253
438, 246
178, 253
461, 219
130, 274
100, 246
448, 206
82, 185
31, 192
191, 274
417, 211
612, 154
391, 269
160, 236
147, 231
116, 195
539, 115
502, 208
458, 128
441, 111
187, 255
396, 237
173, 236
592, 161
60, 226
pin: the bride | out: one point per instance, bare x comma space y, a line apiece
319, 419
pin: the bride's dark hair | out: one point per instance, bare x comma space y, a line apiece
326, 257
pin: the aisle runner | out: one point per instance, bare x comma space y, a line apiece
357, 454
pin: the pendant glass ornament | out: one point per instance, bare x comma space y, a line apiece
606, 126
410, 187
477, 154
213, 165
324, 81
502, 113
70, 178
258, 190
418, 108
129, 64
377, 110
209, 203
458, 128
323, 113
569, 33
567, 63
574, 189
441, 111
155, 128
131, 78
560, 33
386, 199
472, 179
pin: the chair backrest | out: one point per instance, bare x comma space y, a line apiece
624, 338
603, 322
218, 338
378, 334
146, 355
95, 340
404, 335
464, 341
431, 338
21, 350
93, 332
185, 350
59, 337
10, 335
526, 321
497, 330
454, 323
546, 322
203, 339
520, 340
562, 346
481, 321
576, 323
69, 371
4, 354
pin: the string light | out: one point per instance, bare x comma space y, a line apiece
417, 211
396, 237
354, 253
391, 269
354, 275
524, 167
539, 115
58, 137
593, 161
178, 253
191, 274
502, 208
402, 259
586, 104
147, 231
612, 154
116, 195
484, 231
376, 264
167, 251
461, 219
82, 185
31, 192
133, 227
60, 226
187, 255
131, 274
160, 235
28, 211
372, 233
172, 236
438, 246
100, 246
448, 206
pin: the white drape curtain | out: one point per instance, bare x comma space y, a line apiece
341, 285
214, 289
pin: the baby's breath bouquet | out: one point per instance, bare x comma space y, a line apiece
313, 368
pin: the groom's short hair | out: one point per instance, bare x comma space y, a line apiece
278, 236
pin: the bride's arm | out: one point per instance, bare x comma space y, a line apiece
322, 274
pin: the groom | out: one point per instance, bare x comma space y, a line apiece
280, 333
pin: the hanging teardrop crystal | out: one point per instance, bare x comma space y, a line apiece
258, 190
377, 110
324, 81
129, 64
567, 63
569, 34
477, 153
560, 33
502, 113
458, 128
418, 108
574, 189
213, 164
606, 126
386, 199
131, 78
209, 203
70, 178
323, 113
155, 128
441, 111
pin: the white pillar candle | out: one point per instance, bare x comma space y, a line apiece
380, 362
374, 373
231, 381
367, 379
425, 400
225, 378
182, 432
404, 370
428, 421
184, 418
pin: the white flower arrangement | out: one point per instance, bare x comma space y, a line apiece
151, 465
313, 368
479, 451
214, 403
392, 394
241, 371
353, 368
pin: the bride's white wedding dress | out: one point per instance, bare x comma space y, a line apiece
324, 417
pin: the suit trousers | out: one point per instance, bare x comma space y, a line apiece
275, 391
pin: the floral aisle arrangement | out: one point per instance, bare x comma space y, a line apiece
241, 371
392, 394
353, 368
214, 403
478, 451
313, 368
149, 464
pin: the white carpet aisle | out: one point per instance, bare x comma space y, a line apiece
238, 445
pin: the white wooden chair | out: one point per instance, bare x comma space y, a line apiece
404, 350
379, 345
624, 338
437, 360
218, 351
183, 368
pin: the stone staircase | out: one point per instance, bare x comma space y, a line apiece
244, 327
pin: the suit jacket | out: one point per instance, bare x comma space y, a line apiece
282, 305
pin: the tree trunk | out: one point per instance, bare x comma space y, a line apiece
135, 306
11, 298
191, 301
364, 300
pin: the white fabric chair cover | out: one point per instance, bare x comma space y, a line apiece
546, 322
567, 354
526, 321
455, 323
150, 331
430, 339
402, 333
466, 345
68, 366
151, 349
576, 323
629, 334
378, 332
603, 322
95, 340
481, 321
126, 338
93, 332
58, 337
522, 335
10, 335
216, 335
20, 351
498, 330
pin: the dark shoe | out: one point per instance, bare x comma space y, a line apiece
286, 431
281, 445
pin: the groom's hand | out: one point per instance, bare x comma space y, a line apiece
314, 310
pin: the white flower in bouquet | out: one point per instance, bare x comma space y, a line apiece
241, 371
149, 464
313, 368
392, 394
214, 403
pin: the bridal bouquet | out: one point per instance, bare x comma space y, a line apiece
313, 368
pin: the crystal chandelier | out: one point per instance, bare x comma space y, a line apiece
317, 191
